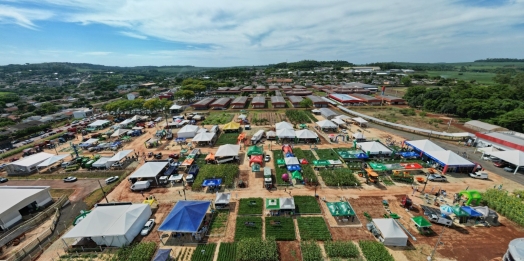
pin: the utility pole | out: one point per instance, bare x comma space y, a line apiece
430, 257
107, 201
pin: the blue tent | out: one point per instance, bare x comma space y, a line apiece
471, 212
211, 182
289, 154
361, 156
180, 139
410, 154
162, 255
185, 217
293, 167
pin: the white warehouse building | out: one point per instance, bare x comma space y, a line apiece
18, 200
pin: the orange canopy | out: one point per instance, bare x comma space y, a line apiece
187, 162
242, 136
210, 156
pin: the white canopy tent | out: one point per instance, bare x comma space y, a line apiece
392, 233
271, 134
306, 134
117, 157
175, 107
326, 124
283, 125
486, 150
338, 121
89, 142
342, 117
227, 150
374, 148
360, 121
149, 170
204, 137
222, 198
98, 123
27, 164
292, 161
188, 131
52, 160
119, 132
358, 136
424, 145
449, 159
287, 203
115, 226
125, 122
515, 157
286, 133
101, 162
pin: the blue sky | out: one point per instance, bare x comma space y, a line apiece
228, 33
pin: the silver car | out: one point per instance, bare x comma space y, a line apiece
436, 177
147, 227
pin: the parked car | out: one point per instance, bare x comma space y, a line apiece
3, 180
267, 158
111, 179
437, 177
70, 179
479, 175
67, 164
147, 227
117, 165
2, 166
500, 164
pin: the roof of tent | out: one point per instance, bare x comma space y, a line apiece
389, 228
338, 121
256, 159
189, 128
287, 203
485, 211
255, 150
326, 124
223, 198
358, 135
488, 150
447, 157
271, 134
421, 221
120, 155
119, 132
424, 145
340, 209
516, 248
185, 217
272, 203
32, 160
108, 221
459, 212
126, 121
286, 133
204, 136
471, 212
343, 117
359, 120
149, 170
374, 147
162, 255
306, 134
292, 161
52, 160
283, 125
101, 162
515, 157
98, 123
227, 150
231, 126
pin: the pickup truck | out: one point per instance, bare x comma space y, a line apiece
440, 220
479, 175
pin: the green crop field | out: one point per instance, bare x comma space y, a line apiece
227, 251
204, 252
309, 156
339, 177
285, 231
243, 231
311, 251
375, 251
250, 206
342, 249
313, 228
486, 78
306, 205
218, 118
327, 154
227, 172
219, 222
227, 138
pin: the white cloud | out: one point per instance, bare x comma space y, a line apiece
134, 35
22, 16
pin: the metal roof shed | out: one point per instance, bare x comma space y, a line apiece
221, 103
14, 198
239, 102
27, 165
149, 170
203, 104
259, 101
327, 113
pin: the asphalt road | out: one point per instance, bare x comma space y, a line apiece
453, 146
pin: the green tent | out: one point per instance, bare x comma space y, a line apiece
377, 166
272, 203
255, 150
340, 209
421, 221
459, 212
255, 167
296, 175
344, 154
320, 163
303, 126
281, 162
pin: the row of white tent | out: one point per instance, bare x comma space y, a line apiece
291, 134
515, 157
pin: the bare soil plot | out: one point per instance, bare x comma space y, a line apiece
289, 251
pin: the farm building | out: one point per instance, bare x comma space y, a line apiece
391, 100
203, 104
271, 80
278, 102
21, 200
239, 102
327, 113
260, 89
247, 89
221, 104
299, 86
99, 124
501, 140
27, 165
222, 90
258, 102
344, 99
483, 127
295, 100
278, 93
112, 225
273, 87
391, 232
368, 87
320, 87
286, 88
298, 92
235, 90
370, 100
318, 102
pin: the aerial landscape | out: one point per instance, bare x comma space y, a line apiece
238, 131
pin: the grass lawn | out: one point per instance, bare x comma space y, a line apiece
486, 78
56, 193
219, 222
285, 231
306, 205
250, 206
218, 118
227, 138
277, 154
98, 195
313, 228
243, 231
327, 154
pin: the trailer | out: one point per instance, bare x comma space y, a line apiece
268, 180
257, 137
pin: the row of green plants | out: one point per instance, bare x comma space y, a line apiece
250, 206
298, 116
243, 231
505, 204
374, 251
204, 252
138, 252
327, 154
311, 251
219, 222
227, 172
256, 249
306, 205
309, 156
313, 228
277, 154
280, 228
218, 118
309, 174
183, 255
343, 249
227, 252
227, 138
339, 177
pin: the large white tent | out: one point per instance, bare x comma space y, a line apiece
449, 159
515, 157
119, 132
227, 150
101, 162
287, 203
306, 134
326, 124
115, 226
424, 145
358, 136
149, 170
52, 160
27, 164
338, 121
118, 157
392, 233
283, 125
486, 150
98, 123
374, 148
286, 133
360, 121
204, 137
342, 117
188, 131
292, 161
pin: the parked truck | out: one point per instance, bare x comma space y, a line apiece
257, 137
192, 173
141, 185
268, 181
440, 220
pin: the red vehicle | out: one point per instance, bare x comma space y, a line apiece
500, 164
58, 131
173, 156
141, 124
71, 129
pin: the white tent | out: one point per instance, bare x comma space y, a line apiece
136, 118
98, 123
287, 203
292, 161
326, 124
424, 145
306, 134
204, 137
358, 136
449, 158
342, 117
286, 133
271, 134
125, 122
374, 147
175, 107
101, 162
392, 233
52, 160
487, 150
227, 150
338, 121
360, 121
119, 132
117, 157
283, 125
27, 164
188, 131
222, 198
149, 170
515, 157
202, 130
115, 226
242, 117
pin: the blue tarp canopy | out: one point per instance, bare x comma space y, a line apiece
289, 154
180, 139
116, 143
361, 156
471, 212
185, 217
162, 255
410, 154
293, 167
211, 182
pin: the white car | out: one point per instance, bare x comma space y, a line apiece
111, 179
70, 179
267, 158
147, 227
344, 131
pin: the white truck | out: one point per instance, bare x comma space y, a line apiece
479, 175
257, 137
140, 185
268, 181
440, 220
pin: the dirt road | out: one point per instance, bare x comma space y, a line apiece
82, 187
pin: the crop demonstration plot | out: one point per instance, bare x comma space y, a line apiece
311, 251
341, 249
227, 138
256, 249
339, 177
277, 154
218, 224
250, 206
327, 154
227, 252
218, 118
248, 227
204, 252
313, 228
227, 172
306, 205
375, 251
281, 228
